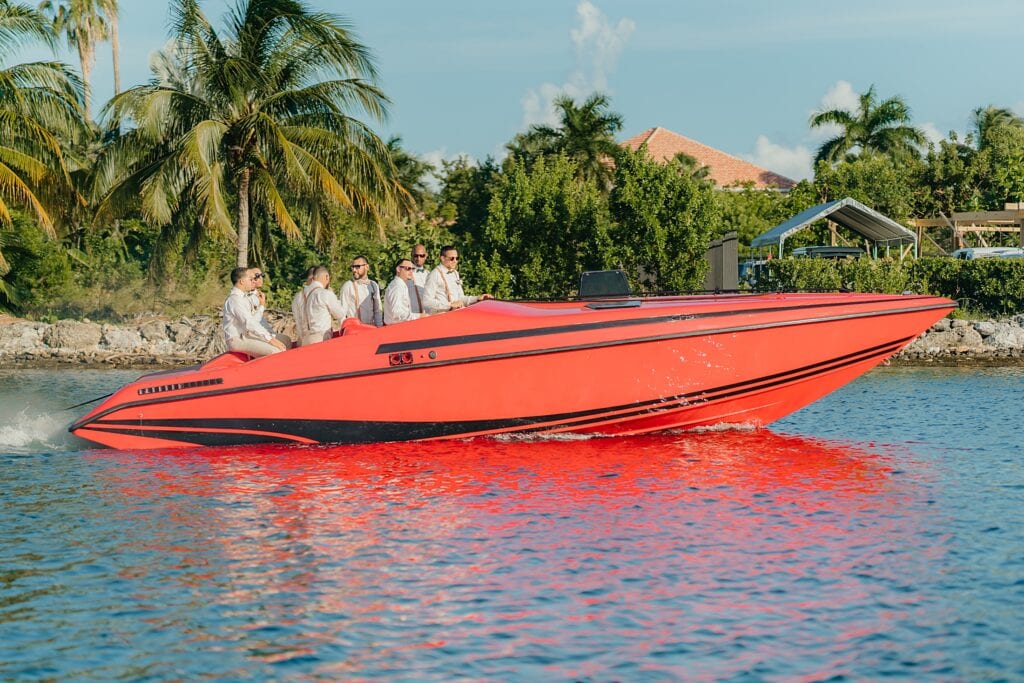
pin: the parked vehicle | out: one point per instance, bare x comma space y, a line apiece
750, 271
828, 252
988, 252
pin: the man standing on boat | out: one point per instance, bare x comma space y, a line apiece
402, 299
315, 308
419, 267
242, 325
299, 306
443, 291
360, 296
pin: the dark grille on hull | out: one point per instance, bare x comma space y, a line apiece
183, 385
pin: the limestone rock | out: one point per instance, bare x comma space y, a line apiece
73, 335
985, 328
21, 337
120, 339
1006, 337
154, 330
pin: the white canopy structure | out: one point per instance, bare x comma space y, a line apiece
849, 213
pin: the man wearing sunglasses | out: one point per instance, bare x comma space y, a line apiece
258, 299
443, 291
402, 299
419, 267
243, 325
360, 296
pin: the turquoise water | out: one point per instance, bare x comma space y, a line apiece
875, 534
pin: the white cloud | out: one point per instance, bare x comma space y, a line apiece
598, 43
793, 162
436, 158
932, 133
840, 96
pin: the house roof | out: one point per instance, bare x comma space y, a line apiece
848, 213
725, 169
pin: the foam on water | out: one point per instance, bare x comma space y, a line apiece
29, 430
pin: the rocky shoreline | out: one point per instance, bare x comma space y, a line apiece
156, 342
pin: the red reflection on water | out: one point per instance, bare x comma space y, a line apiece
644, 542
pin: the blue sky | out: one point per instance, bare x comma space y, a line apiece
465, 76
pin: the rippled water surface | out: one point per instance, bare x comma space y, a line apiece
875, 534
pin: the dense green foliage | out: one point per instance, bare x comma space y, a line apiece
544, 224
990, 287
664, 219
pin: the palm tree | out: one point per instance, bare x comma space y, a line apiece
874, 127
411, 171
248, 122
586, 134
111, 11
85, 23
690, 167
40, 110
987, 119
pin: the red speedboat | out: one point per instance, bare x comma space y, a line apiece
621, 366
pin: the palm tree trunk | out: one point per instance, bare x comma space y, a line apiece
115, 49
243, 219
85, 58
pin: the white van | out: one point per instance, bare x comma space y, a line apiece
988, 252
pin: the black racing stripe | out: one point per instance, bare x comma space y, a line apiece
199, 438
321, 431
497, 356
605, 325
363, 432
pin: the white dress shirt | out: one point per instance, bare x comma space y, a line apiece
315, 308
437, 297
241, 318
259, 309
400, 303
361, 299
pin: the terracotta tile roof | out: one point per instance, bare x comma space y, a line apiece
726, 170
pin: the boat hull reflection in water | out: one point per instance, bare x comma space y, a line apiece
689, 557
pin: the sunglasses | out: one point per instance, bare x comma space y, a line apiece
405, 267
257, 276
450, 258
361, 265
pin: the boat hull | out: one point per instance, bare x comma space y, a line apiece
613, 368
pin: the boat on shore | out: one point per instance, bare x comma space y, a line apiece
610, 366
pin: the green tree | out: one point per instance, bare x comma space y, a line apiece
85, 23
257, 127
1001, 162
987, 120
412, 172
875, 126
749, 212
952, 174
545, 225
886, 185
465, 195
585, 134
40, 109
663, 219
